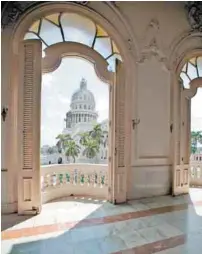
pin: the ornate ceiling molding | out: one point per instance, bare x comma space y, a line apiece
11, 11
194, 14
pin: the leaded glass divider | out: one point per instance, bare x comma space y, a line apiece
72, 27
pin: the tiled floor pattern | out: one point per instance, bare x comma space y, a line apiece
161, 224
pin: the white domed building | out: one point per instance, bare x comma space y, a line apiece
82, 117
82, 112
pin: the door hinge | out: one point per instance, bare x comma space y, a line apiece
115, 151
110, 89
171, 128
109, 189
110, 158
110, 123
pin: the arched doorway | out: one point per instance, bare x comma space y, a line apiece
190, 79
30, 68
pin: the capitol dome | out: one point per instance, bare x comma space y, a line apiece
83, 99
82, 107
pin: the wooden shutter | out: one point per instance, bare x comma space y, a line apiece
29, 191
119, 136
181, 165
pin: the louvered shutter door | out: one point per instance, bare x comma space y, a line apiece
119, 136
29, 192
181, 163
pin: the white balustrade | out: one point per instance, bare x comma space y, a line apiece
196, 173
73, 179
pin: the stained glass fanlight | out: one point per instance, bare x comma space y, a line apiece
191, 70
61, 27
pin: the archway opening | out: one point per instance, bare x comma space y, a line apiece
74, 131
190, 135
42, 51
196, 140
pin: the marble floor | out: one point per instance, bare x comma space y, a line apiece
164, 225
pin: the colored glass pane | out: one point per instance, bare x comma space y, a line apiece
35, 27
30, 35
185, 80
103, 46
193, 61
191, 71
54, 18
114, 48
184, 68
112, 62
199, 65
78, 28
50, 33
100, 31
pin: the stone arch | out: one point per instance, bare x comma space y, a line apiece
122, 37
185, 47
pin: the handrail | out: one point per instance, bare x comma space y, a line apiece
73, 179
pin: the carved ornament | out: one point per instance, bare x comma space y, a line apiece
194, 14
152, 45
11, 11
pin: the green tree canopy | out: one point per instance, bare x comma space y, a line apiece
62, 138
196, 137
91, 148
72, 149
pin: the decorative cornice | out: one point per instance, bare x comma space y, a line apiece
194, 14
12, 10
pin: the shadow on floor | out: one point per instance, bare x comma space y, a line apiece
81, 239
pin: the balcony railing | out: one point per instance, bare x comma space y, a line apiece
196, 173
74, 179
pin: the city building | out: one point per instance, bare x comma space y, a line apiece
81, 117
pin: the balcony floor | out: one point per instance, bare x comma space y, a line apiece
165, 225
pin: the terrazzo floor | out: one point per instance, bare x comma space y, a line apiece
164, 225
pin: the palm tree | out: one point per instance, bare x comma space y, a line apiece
62, 138
84, 137
196, 136
91, 148
72, 149
97, 133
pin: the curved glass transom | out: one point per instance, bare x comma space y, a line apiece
61, 27
191, 70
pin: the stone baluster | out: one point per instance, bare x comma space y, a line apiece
71, 173
54, 179
78, 177
96, 178
61, 179
82, 178
105, 179
42, 183
48, 180
67, 176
